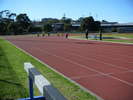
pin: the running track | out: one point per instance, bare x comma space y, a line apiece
106, 69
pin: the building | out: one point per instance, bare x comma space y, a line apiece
107, 27
117, 27
58, 27
111, 27
37, 23
75, 26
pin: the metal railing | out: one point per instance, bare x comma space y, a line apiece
47, 91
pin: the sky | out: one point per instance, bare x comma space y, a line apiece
111, 10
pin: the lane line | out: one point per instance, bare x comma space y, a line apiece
83, 57
86, 76
109, 49
114, 59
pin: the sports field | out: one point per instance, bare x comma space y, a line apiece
112, 37
105, 69
14, 80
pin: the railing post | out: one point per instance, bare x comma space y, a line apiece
31, 90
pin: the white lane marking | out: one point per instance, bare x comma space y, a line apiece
112, 65
130, 84
86, 76
91, 69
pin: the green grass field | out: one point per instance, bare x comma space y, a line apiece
128, 35
13, 78
122, 41
124, 38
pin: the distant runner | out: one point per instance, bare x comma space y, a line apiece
67, 35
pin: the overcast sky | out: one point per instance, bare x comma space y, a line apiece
110, 10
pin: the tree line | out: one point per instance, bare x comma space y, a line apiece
13, 24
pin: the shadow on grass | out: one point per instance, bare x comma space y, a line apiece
11, 87
9, 82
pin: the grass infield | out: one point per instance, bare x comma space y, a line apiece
124, 38
13, 78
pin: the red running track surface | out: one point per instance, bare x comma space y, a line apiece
103, 68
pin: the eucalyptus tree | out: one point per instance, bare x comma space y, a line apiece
23, 23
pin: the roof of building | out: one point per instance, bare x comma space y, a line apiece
108, 24
118, 24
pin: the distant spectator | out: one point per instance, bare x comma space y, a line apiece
86, 34
37, 34
58, 34
48, 33
43, 34
67, 35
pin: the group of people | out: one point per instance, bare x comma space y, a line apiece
66, 35
94, 35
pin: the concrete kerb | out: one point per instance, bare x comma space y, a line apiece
83, 88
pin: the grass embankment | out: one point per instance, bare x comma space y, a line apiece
13, 78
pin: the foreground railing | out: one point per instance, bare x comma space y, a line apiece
47, 91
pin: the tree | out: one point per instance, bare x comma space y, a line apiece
104, 21
96, 26
88, 23
80, 19
67, 23
10, 28
2, 27
50, 20
23, 22
67, 27
4, 14
6, 22
10, 24
34, 29
65, 20
12, 16
47, 28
